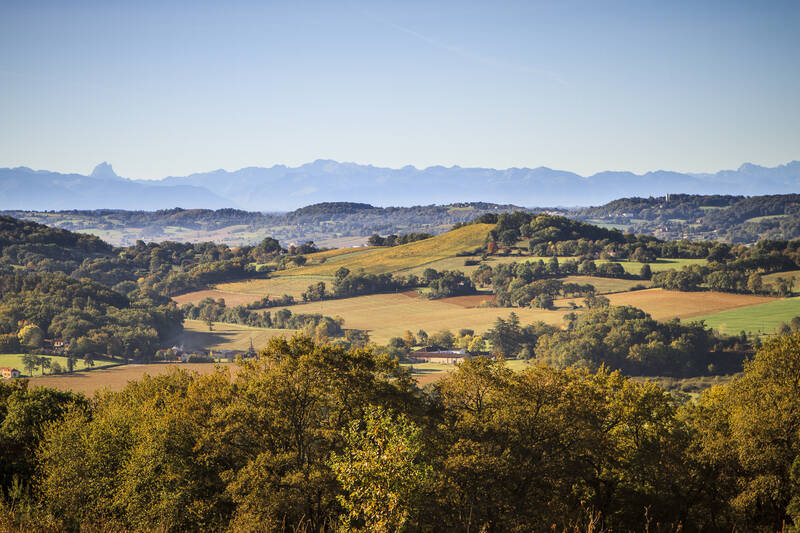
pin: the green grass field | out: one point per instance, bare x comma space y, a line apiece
196, 336
15, 361
768, 217
661, 264
794, 275
607, 285
631, 267
756, 319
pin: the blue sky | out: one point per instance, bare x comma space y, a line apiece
170, 88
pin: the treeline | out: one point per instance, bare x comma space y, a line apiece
346, 284
315, 325
41, 248
396, 240
315, 222
628, 339
167, 268
553, 235
658, 209
621, 338
101, 300
737, 269
91, 319
532, 283
734, 219
319, 438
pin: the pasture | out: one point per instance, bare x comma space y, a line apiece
426, 373
664, 305
793, 275
15, 361
275, 286
660, 265
196, 336
607, 285
115, 379
390, 315
756, 319
231, 298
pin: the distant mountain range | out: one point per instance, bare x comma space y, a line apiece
281, 188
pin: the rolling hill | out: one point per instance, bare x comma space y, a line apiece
398, 258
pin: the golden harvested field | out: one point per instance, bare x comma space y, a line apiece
663, 305
340, 242
390, 315
471, 300
231, 298
406, 256
116, 378
316, 258
425, 373
275, 287
196, 336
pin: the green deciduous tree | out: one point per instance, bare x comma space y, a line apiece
383, 472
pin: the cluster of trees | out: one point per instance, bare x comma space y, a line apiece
532, 283
92, 319
320, 438
102, 300
465, 338
737, 269
395, 240
346, 284
31, 362
508, 338
446, 283
316, 325
682, 206
553, 235
628, 339
735, 219
41, 248
167, 268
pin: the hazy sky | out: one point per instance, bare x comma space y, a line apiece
168, 88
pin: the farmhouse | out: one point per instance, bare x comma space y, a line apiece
6, 372
435, 354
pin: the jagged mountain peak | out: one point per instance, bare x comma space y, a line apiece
104, 171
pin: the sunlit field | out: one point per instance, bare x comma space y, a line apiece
663, 305
763, 318
390, 315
